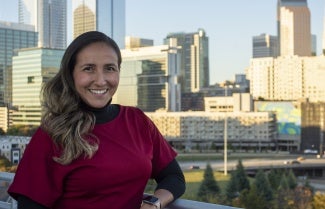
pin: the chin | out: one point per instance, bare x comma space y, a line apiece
98, 106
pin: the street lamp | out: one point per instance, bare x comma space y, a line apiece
225, 139
225, 135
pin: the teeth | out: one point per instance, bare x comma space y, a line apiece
98, 91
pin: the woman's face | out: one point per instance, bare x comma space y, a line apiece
96, 74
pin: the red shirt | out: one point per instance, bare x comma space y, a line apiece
131, 150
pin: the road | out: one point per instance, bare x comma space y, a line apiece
318, 184
254, 162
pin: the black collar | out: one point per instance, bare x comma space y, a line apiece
104, 114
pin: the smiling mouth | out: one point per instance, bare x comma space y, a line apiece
94, 91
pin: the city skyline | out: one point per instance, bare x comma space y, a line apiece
233, 42
230, 26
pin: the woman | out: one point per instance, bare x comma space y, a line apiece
88, 153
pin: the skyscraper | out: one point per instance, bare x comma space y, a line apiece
49, 18
32, 67
194, 48
13, 36
323, 39
107, 16
293, 22
151, 79
265, 45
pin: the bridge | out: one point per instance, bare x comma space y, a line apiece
306, 169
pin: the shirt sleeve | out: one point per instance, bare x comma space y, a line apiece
172, 179
36, 176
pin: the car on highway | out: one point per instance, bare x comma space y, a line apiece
310, 151
194, 167
291, 162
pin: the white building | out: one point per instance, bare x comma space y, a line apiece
13, 147
245, 130
287, 78
238, 102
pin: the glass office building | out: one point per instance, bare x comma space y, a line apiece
265, 45
13, 36
194, 49
149, 79
107, 16
49, 18
31, 68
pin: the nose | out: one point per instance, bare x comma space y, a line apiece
100, 78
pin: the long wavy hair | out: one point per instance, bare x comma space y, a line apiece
68, 124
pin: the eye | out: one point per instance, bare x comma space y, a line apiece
88, 68
111, 68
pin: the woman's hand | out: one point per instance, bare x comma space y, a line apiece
164, 196
147, 206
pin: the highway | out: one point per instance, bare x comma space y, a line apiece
309, 160
253, 162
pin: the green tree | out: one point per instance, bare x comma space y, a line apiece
21, 130
2, 132
283, 183
232, 187
292, 180
273, 177
283, 193
4, 162
282, 200
263, 186
242, 179
238, 182
307, 185
209, 188
252, 199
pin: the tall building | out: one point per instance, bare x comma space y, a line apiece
135, 42
288, 122
107, 16
265, 45
149, 79
287, 78
313, 126
294, 30
313, 45
32, 67
246, 130
13, 36
194, 49
323, 39
49, 18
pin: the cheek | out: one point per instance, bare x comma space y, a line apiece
115, 80
80, 81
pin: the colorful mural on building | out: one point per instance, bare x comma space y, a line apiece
288, 116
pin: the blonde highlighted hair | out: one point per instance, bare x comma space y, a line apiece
68, 124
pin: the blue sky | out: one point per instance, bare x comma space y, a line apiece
229, 24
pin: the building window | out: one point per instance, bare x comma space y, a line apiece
30, 79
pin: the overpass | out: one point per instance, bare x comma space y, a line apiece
310, 170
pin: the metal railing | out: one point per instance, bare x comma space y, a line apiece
190, 204
10, 203
6, 201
